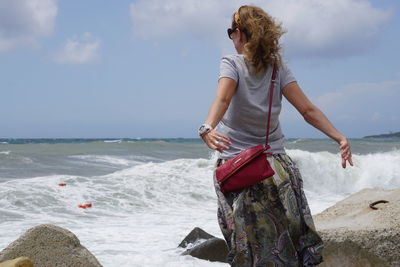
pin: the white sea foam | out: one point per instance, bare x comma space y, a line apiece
5, 152
139, 211
297, 140
322, 171
326, 182
113, 141
113, 160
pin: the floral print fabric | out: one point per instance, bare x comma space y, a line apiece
269, 223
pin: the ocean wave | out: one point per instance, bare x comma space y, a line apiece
110, 160
150, 213
295, 141
174, 183
148, 186
154, 205
5, 152
322, 171
183, 182
113, 141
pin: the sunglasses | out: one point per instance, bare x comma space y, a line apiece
230, 31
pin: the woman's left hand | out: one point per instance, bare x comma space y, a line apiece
345, 152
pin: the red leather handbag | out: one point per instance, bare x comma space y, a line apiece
251, 165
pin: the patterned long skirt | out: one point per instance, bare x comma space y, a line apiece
269, 223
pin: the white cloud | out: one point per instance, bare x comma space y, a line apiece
169, 18
79, 50
363, 101
329, 28
318, 28
22, 22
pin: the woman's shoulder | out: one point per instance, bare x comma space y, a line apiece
235, 61
284, 66
233, 57
285, 74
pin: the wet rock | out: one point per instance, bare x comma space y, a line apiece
48, 245
202, 245
195, 235
357, 235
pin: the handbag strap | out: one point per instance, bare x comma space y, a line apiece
271, 93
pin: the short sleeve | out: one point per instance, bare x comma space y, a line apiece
228, 69
285, 76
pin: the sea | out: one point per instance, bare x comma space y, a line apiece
148, 194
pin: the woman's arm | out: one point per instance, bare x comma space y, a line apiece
317, 118
225, 91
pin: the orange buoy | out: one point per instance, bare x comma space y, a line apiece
62, 184
84, 206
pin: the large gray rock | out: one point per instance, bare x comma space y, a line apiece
194, 236
48, 245
357, 235
213, 249
354, 234
202, 245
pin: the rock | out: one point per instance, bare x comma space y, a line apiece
48, 245
204, 246
195, 235
357, 235
354, 234
18, 262
213, 249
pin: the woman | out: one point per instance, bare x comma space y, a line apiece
269, 223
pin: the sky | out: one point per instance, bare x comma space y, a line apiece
149, 68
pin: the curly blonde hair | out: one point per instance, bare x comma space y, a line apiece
262, 48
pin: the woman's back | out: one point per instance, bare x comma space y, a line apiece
245, 121
267, 223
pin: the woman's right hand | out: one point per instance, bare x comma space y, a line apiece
345, 152
216, 141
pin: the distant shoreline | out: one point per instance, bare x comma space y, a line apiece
391, 135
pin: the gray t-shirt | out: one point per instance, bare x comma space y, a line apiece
245, 121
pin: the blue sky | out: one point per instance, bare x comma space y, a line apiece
149, 68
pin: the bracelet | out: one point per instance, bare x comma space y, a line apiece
204, 128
